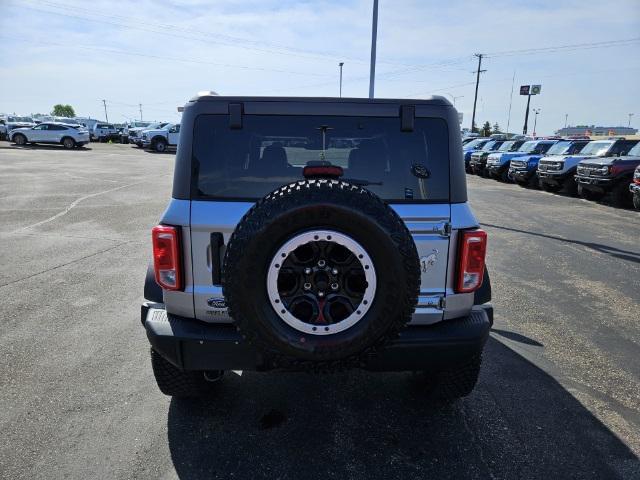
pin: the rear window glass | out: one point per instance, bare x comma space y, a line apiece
271, 150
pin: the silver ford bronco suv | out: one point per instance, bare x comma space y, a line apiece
317, 234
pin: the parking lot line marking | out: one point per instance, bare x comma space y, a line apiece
73, 204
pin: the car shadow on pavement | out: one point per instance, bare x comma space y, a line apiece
516, 337
518, 423
50, 147
627, 255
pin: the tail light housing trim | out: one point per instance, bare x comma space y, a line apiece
472, 249
167, 260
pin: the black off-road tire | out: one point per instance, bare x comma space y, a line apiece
177, 383
549, 187
589, 194
315, 205
636, 202
450, 384
620, 195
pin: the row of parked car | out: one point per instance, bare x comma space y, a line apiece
71, 133
591, 169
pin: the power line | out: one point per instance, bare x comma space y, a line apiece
559, 48
173, 59
161, 29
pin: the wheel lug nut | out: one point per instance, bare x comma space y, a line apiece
334, 271
321, 294
307, 286
334, 286
307, 271
321, 263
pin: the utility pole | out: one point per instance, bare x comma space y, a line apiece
140, 106
341, 64
374, 38
535, 120
475, 99
629, 124
104, 102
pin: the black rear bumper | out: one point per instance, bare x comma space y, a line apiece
194, 345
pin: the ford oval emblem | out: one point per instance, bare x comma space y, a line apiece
216, 302
420, 171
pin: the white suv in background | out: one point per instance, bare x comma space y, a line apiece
160, 140
69, 136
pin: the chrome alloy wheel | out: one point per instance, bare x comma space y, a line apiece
321, 282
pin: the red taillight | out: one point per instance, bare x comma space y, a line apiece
166, 257
472, 248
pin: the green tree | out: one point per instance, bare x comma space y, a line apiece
485, 130
496, 128
61, 110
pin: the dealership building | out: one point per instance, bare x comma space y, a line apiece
592, 131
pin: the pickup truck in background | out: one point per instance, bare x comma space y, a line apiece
597, 177
556, 174
524, 170
135, 133
160, 140
103, 132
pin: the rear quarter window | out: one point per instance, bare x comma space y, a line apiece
272, 150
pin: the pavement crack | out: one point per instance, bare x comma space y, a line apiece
74, 204
64, 264
476, 441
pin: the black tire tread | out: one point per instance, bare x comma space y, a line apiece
459, 381
280, 201
177, 383
548, 187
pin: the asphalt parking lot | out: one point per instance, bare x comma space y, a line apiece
558, 395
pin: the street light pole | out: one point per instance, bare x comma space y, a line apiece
374, 39
454, 98
566, 117
629, 124
341, 64
535, 120
140, 105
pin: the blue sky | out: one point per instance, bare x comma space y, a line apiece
162, 53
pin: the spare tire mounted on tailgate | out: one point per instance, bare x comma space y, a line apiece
320, 273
